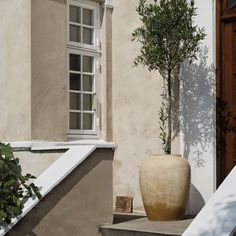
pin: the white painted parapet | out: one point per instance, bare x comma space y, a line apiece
218, 216
53, 175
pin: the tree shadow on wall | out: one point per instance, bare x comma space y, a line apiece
196, 110
224, 125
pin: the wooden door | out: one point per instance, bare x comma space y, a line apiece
229, 76
226, 88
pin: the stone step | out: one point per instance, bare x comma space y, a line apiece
144, 227
123, 217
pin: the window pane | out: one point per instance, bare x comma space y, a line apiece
87, 64
88, 121
88, 36
75, 33
75, 120
88, 17
75, 14
87, 102
74, 62
88, 83
75, 81
75, 101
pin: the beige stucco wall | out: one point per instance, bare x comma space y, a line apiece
33, 70
105, 97
135, 94
34, 80
136, 102
49, 70
15, 76
35, 162
78, 205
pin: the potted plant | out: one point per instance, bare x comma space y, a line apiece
168, 37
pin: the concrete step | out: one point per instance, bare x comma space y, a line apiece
123, 217
144, 227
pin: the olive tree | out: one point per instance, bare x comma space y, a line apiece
168, 37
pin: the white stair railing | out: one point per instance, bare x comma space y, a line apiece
52, 176
218, 216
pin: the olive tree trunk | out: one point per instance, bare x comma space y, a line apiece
169, 119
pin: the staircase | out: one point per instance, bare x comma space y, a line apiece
144, 227
77, 195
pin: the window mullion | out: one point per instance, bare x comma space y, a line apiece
95, 28
75, 91
75, 23
74, 72
75, 111
81, 81
82, 27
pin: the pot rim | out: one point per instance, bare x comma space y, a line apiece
165, 155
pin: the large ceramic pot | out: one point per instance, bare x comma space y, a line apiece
165, 184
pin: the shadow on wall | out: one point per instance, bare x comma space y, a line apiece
224, 125
197, 108
196, 112
197, 198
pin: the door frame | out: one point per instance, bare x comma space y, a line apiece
219, 93
222, 16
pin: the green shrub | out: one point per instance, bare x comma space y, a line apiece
13, 187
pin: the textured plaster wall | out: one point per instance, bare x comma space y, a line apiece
79, 205
33, 70
136, 102
15, 76
105, 96
37, 161
198, 112
49, 70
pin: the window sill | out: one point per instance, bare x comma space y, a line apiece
77, 137
48, 145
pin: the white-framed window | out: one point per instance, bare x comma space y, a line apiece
83, 63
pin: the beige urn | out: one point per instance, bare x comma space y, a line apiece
165, 184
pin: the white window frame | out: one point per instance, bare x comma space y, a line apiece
88, 5
87, 50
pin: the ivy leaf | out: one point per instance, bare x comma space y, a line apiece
15, 210
36, 190
3, 215
6, 151
13, 185
29, 176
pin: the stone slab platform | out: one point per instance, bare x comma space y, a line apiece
144, 227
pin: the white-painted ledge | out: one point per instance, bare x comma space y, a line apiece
108, 4
218, 216
54, 174
48, 145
